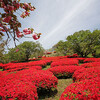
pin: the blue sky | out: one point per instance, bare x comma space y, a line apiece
57, 19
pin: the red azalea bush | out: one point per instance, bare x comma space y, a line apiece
81, 60
16, 89
41, 63
54, 58
21, 84
73, 56
20, 66
48, 62
41, 78
66, 71
86, 73
92, 60
5, 65
45, 79
92, 64
3, 73
83, 90
64, 62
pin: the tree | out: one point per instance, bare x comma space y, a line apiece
24, 51
61, 48
95, 37
84, 42
9, 23
1, 48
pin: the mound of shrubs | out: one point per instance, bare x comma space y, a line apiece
64, 62
64, 71
23, 85
86, 73
14, 89
82, 90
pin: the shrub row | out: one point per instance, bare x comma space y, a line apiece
19, 66
64, 71
63, 62
23, 85
86, 85
82, 90
86, 73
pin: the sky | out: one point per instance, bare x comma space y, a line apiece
57, 19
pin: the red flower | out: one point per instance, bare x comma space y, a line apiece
7, 19
83, 90
35, 36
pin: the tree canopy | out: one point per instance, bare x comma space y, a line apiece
25, 50
83, 43
61, 47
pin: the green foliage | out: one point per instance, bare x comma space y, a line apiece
83, 43
24, 51
79, 42
61, 48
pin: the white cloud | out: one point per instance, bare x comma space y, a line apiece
65, 21
57, 19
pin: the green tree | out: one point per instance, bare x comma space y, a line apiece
24, 51
61, 48
84, 42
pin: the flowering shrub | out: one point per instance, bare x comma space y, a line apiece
63, 62
83, 90
48, 62
41, 78
66, 71
92, 64
12, 87
21, 84
3, 73
81, 60
16, 89
20, 66
92, 60
73, 56
54, 58
86, 73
